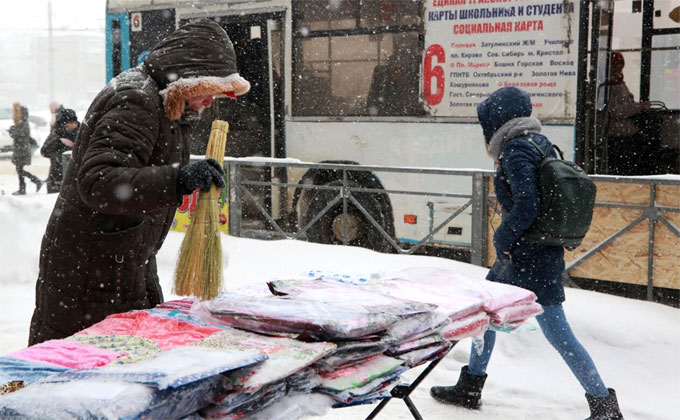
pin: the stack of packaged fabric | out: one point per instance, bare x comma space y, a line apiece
362, 324
506, 306
319, 340
108, 371
471, 304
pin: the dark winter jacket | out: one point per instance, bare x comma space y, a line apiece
53, 149
530, 265
119, 194
21, 134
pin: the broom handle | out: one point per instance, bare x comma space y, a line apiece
216, 149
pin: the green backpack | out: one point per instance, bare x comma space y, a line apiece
567, 202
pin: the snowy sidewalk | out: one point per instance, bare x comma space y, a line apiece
634, 344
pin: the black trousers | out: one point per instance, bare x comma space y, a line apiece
24, 173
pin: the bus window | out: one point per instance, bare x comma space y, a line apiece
641, 94
354, 58
665, 80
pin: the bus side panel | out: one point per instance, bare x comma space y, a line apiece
117, 44
452, 146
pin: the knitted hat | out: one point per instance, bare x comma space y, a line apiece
66, 115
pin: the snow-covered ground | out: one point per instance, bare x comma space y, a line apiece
635, 344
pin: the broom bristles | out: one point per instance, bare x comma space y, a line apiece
199, 266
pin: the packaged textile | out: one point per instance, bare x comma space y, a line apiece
361, 374
68, 354
415, 344
344, 358
284, 356
167, 333
93, 399
494, 295
418, 357
175, 403
377, 388
515, 313
169, 369
452, 305
417, 325
322, 290
78, 400
24, 372
324, 320
131, 348
245, 404
470, 326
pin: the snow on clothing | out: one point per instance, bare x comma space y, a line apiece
557, 331
119, 194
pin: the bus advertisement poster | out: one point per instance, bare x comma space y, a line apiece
473, 48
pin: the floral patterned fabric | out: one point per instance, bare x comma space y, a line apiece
132, 348
167, 333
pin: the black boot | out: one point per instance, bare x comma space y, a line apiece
38, 185
466, 393
604, 408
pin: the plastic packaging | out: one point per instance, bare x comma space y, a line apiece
323, 320
67, 353
170, 369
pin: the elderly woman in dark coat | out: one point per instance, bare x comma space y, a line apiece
21, 156
506, 120
127, 176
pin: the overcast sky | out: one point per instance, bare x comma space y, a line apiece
77, 68
17, 16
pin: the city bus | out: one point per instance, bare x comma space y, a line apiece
397, 82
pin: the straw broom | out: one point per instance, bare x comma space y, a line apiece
199, 266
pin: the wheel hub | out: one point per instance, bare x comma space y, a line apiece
354, 226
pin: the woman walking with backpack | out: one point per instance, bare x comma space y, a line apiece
506, 121
21, 156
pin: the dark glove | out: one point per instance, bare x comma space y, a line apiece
200, 176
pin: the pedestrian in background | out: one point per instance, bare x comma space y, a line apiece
505, 117
60, 140
55, 107
23, 147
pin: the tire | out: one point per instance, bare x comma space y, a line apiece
327, 230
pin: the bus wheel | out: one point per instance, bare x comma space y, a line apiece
360, 232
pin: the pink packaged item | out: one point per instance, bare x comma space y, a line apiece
515, 313
471, 326
70, 354
167, 333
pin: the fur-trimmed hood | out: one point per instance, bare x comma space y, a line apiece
196, 59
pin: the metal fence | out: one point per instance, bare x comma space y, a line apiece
240, 191
479, 200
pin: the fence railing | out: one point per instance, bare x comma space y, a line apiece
477, 198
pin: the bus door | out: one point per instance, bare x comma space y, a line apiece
629, 122
256, 126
